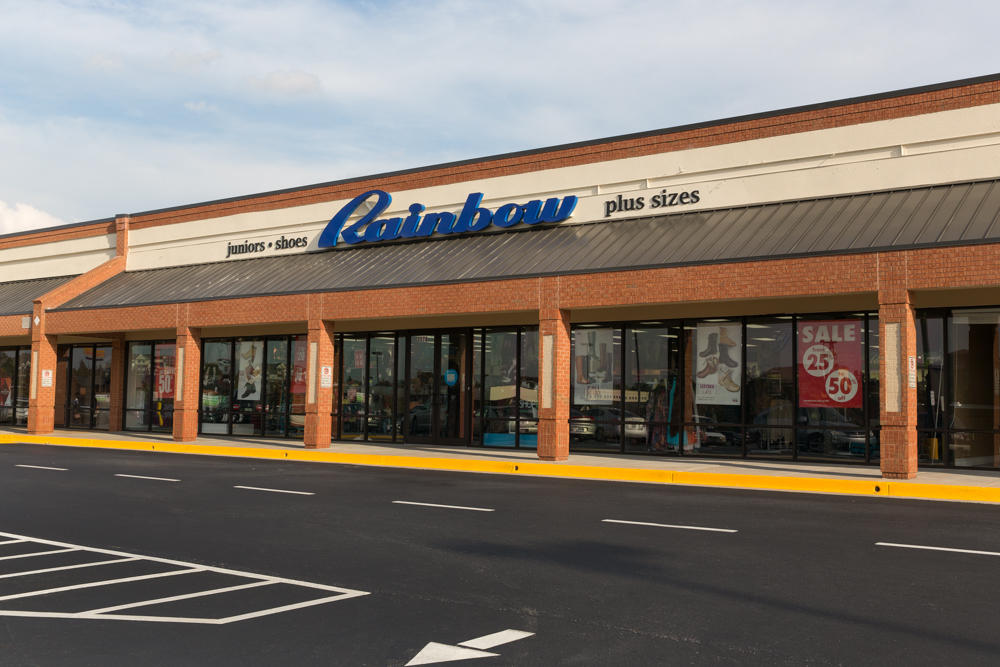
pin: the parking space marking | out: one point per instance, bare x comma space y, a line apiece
12, 541
66, 567
25, 465
669, 525
327, 594
449, 507
927, 548
106, 582
37, 553
155, 479
260, 488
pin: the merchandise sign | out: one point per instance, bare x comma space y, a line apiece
830, 363
472, 218
719, 349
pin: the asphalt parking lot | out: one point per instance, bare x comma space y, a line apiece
171, 559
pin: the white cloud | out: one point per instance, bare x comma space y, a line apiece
22, 217
201, 106
286, 82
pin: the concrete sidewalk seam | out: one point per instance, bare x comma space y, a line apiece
878, 488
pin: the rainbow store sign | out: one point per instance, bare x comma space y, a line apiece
472, 218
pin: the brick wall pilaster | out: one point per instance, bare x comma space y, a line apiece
118, 347
897, 346
187, 392
41, 400
319, 398
553, 367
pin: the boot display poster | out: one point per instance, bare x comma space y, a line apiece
830, 363
717, 363
250, 360
593, 367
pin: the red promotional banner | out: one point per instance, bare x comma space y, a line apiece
830, 363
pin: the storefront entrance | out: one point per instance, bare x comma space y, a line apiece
439, 388
83, 378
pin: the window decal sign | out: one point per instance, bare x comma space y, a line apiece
719, 373
830, 364
472, 218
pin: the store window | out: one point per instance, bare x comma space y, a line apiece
297, 387
770, 388
352, 406
831, 373
596, 408
149, 386
381, 395
932, 407
216, 385
88, 386
713, 404
15, 373
500, 388
528, 389
974, 356
652, 388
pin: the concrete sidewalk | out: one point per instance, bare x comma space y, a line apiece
949, 484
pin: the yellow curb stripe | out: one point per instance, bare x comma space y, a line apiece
875, 487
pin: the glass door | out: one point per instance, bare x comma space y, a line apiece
438, 391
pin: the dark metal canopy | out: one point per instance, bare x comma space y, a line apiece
956, 214
17, 298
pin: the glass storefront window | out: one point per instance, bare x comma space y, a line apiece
381, 364
23, 386
770, 387
652, 394
528, 390
500, 384
216, 386
352, 404
276, 387
138, 386
81, 386
596, 411
712, 415
297, 387
931, 403
974, 359
8, 379
831, 372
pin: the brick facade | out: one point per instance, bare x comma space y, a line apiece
894, 283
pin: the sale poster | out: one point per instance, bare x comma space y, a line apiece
830, 363
163, 373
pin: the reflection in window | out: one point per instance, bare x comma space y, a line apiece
596, 411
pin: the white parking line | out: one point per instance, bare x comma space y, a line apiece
24, 465
329, 593
155, 479
920, 546
36, 553
668, 525
66, 567
12, 541
260, 488
449, 507
174, 598
91, 584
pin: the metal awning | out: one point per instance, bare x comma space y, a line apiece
956, 214
17, 297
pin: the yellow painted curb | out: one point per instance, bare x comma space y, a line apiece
876, 487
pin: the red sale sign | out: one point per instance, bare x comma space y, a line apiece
830, 363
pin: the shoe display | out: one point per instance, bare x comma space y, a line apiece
724, 338
712, 347
724, 356
711, 366
250, 388
726, 380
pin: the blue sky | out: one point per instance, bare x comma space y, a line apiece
115, 107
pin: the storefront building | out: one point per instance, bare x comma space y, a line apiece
812, 284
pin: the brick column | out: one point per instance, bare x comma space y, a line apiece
118, 362
897, 346
319, 398
187, 389
553, 369
41, 400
